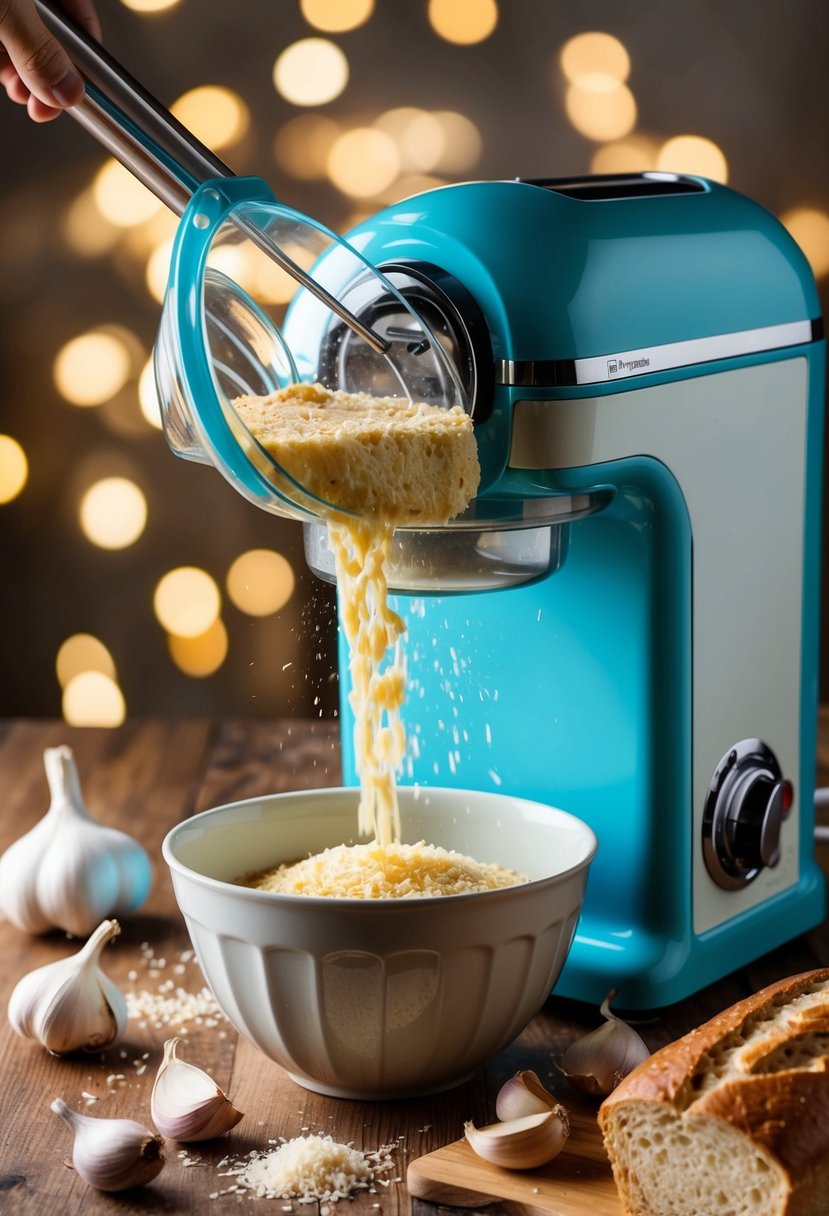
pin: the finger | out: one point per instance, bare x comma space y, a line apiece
41, 62
16, 90
39, 111
10, 81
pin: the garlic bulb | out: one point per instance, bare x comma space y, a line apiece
523, 1095
112, 1154
186, 1103
521, 1144
71, 1004
69, 872
598, 1061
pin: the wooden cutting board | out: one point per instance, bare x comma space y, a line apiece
575, 1183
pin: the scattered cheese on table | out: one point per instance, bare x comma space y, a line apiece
311, 1169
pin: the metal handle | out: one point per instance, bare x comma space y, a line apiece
94, 114
112, 79
159, 150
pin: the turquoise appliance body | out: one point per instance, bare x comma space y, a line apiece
655, 340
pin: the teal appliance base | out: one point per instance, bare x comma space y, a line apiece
650, 972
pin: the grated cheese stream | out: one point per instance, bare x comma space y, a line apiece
378, 685
393, 462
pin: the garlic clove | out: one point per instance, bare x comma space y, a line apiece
71, 1004
523, 1095
186, 1103
598, 1061
69, 872
521, 1144
112, 1154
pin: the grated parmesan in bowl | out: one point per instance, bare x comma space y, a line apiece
376, 871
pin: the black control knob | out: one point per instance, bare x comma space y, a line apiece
747, 803
753, 821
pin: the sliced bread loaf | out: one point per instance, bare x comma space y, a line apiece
732, 1119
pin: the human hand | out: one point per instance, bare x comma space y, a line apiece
35, 70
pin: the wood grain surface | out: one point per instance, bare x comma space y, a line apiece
144, 777
576, 1182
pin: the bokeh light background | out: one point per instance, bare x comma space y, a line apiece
137, 584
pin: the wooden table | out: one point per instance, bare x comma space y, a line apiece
146, 777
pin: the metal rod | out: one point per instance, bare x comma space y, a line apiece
264, 242
134, 154
115, 99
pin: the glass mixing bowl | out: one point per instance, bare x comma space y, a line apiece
222, 336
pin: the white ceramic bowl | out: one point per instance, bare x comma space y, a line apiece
380, 998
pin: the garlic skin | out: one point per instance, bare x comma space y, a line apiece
186, 1103
112, 1154
69, 872
71, 1005
523, 1095
598, 1061
521, 1144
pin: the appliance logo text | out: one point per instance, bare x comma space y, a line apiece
616, 367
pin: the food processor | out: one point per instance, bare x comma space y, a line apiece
624, 622
649, 359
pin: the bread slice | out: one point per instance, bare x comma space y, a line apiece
379, 456
732, 1119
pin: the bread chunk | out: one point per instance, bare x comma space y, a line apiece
378, 456
732, 1119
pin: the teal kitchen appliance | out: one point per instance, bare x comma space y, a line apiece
624, 623
644, 360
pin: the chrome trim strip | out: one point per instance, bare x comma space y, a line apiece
606, 369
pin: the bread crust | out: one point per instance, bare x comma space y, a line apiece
664, 1075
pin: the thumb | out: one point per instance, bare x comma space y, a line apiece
40, 61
